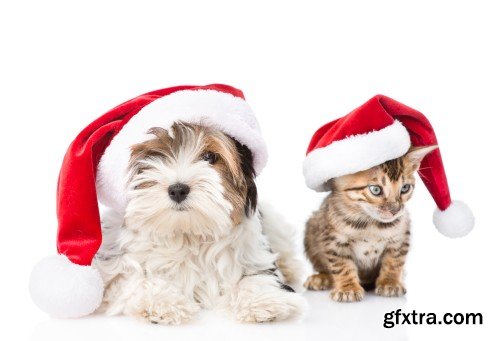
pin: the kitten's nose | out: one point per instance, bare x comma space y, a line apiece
178, 192
394, 208
391, 207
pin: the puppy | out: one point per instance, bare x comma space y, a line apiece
194, 236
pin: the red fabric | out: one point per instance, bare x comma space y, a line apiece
79, 232
378, 113
368, 117
421, 132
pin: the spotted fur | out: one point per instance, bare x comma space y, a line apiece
359, 240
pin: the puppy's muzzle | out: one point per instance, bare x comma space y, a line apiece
178, 192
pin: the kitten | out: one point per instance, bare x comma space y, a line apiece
361, 234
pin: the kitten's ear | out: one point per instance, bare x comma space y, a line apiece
416, 154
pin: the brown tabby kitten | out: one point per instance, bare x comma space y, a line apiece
360, 235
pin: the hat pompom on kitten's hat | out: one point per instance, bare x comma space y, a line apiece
380, 130
95, 169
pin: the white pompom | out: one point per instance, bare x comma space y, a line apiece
64, 289
456, 221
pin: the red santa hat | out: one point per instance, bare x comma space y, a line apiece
380, 130
95, 169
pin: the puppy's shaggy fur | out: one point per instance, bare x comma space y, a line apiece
212, 248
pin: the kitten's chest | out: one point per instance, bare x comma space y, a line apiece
368, 245
367, 252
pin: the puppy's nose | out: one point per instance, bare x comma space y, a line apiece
178, 192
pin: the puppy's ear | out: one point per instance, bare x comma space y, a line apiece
246, 164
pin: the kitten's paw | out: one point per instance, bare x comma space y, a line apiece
169, 314
319, 282
352, 293
390, 289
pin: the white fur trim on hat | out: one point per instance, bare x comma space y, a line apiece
456, 221
354, 154
64, 289
221, 110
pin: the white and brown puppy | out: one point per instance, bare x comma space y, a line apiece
194, 236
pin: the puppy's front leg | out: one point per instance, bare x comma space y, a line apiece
263, 298
164, 304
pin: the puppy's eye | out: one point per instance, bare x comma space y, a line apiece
406, 188
210, 157
375, 190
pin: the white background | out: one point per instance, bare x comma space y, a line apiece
300, 65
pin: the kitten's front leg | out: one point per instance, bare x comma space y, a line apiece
346, 287
263, 298
389, 281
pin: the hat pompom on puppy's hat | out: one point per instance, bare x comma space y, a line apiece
95, 168
380, 130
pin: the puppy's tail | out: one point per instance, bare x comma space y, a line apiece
282, 238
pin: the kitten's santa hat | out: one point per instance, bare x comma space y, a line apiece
380, 130
95, 168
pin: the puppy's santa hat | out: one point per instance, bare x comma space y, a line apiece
380, 130
95, 168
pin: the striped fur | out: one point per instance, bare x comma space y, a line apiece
359, 240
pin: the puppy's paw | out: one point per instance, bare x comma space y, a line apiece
319, 282
270, 308
169, 314
351, 293
389, 288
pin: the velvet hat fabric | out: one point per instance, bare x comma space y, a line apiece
380, 130
95, 169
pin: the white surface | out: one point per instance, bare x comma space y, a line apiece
300, 65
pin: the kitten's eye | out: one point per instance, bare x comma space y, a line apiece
375, 190
210, 157
406, 188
